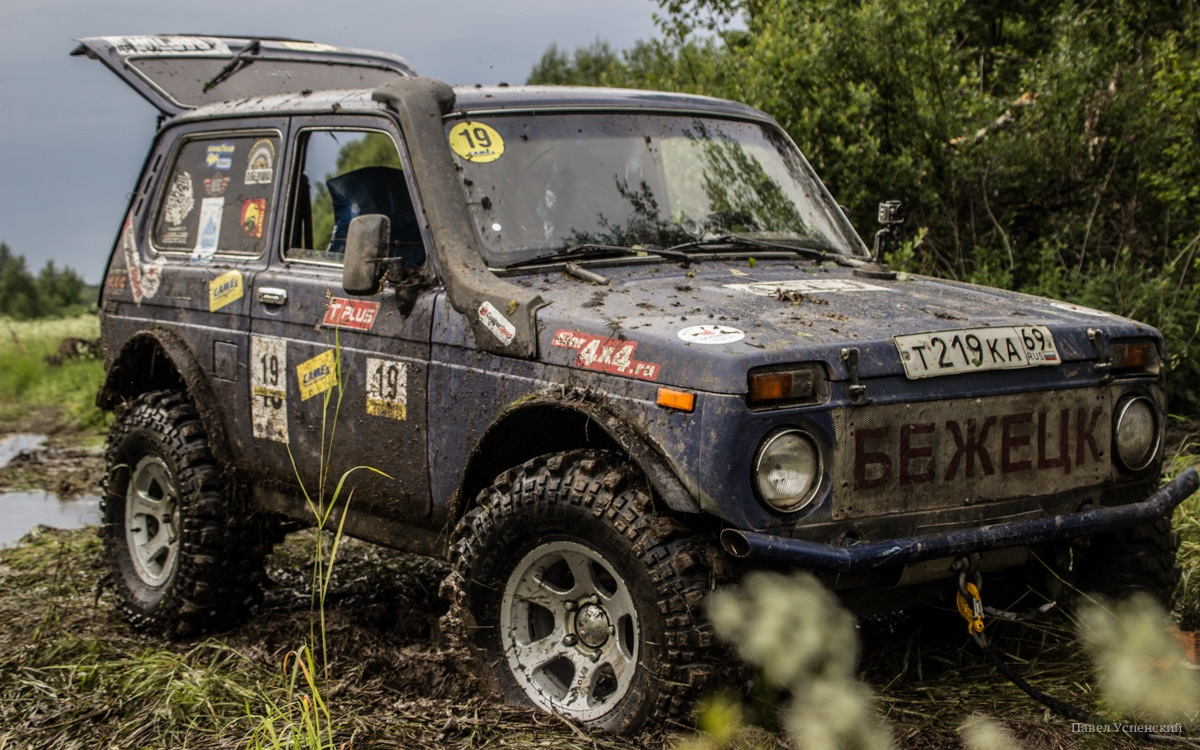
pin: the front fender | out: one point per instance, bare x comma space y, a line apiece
585, 423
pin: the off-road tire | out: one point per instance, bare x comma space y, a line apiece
215, 575
1124, 562
594, 504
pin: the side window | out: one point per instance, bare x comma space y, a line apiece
343, 174
217, 196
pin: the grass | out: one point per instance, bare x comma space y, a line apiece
373, 673
36, 396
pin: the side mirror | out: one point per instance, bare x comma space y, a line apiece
367, 242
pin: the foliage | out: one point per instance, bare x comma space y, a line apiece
1045, 146
797, 633
51, 293
1142, 670
28, 381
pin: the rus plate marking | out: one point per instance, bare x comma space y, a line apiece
930, 355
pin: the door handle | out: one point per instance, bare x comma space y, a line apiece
271, 295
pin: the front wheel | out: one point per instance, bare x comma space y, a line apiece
588, 605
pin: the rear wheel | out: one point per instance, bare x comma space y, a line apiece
181, 562
587, 604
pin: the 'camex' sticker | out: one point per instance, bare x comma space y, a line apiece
316, 375
224, 289
476, 142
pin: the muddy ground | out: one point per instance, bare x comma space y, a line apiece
68, 663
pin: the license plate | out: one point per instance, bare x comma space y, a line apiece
930, 355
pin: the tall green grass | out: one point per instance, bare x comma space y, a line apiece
303, 720
29, 383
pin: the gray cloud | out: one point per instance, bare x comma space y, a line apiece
73, 136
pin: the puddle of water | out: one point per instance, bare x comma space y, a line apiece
21, 511
11, 446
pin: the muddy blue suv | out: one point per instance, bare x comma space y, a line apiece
603, 350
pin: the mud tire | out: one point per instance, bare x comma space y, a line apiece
214, 575
595, 506
1124, 562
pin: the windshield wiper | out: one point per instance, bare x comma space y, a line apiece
237, 63
733, 239
593, 250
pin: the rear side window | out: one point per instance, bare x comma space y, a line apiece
217, 197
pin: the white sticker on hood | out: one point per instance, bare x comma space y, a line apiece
806, 286
711, 335
500, 326
1081, 310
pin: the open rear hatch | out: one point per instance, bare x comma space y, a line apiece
176, 73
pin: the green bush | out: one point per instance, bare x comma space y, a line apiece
1048, 147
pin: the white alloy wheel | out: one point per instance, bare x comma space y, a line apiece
569, 630
152, 521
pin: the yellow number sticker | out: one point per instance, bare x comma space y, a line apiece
476, 142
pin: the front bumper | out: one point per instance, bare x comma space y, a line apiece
780, 550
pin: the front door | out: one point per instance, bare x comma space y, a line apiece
339, 382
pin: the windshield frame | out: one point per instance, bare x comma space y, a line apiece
845, 240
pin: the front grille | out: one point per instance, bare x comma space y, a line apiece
945, 454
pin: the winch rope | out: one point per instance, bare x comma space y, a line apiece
969, 603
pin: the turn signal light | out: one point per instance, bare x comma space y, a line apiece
669, 398
796, 385
1138, 355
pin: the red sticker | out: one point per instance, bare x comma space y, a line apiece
252, 216
351, 313
606, 354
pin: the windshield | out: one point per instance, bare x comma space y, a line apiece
540, 183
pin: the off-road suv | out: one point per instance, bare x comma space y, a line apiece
602, 347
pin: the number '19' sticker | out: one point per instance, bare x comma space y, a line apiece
476, 142
268, 388
387, 388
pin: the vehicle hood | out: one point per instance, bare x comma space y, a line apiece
793, 311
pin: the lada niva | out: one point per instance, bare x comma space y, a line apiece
602, 349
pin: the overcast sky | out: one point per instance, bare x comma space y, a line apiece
73, 135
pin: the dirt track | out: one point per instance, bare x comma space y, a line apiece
393, 684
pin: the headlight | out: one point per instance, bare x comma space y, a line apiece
787, 470
1135, 433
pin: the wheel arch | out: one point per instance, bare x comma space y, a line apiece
562, 425
155, 360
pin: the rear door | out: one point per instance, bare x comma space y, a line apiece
339, 382
180, 72
198, 230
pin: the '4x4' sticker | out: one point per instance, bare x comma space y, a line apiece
606, 354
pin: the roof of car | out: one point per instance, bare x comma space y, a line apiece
480, 99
